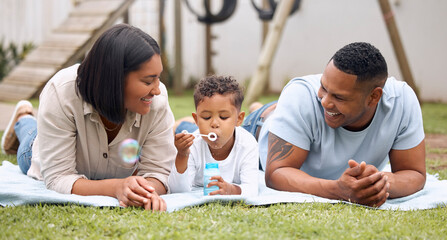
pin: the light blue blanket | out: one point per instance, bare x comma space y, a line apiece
19, 189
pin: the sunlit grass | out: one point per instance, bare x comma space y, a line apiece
217, 221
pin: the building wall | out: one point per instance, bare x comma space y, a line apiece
310, 37
144, 14
24, 21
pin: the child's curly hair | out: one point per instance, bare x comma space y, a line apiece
211, 85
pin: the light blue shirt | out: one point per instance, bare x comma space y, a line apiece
299, 120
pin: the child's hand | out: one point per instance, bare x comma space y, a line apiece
224, 187
183, 142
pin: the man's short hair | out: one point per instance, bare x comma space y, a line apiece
101, 76
223, 85
363, 60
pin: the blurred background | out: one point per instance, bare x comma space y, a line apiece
226, 41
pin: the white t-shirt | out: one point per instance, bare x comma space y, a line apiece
299, 120
240, 167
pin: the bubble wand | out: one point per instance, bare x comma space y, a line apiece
211, 136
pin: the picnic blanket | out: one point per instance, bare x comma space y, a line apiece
19, 189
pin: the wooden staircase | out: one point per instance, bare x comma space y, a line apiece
63, 47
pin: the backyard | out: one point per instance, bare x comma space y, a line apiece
239, 221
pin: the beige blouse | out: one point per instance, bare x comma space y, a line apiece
72, 143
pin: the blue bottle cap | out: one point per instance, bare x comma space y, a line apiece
212, 165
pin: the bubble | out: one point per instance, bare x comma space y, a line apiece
129, 150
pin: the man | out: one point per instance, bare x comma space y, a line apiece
331, 134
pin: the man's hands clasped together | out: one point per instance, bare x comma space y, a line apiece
364, 184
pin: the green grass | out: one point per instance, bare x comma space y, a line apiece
435, 117
236, 221
216, 221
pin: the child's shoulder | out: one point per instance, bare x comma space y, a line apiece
245, 137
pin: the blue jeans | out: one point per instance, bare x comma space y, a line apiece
188, 126
26, 131
253, 121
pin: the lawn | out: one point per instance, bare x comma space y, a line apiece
237, 221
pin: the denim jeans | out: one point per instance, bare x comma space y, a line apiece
188, 126
26, 131
253, 121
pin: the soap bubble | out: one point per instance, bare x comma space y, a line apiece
129, 150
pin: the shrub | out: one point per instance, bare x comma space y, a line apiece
11, 55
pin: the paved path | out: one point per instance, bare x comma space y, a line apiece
6, 110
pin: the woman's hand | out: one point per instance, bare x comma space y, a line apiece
155, 203
136, 191
224, 187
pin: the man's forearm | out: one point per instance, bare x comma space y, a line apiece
370, 192
405, 182
295, 180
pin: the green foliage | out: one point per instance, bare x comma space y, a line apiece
11, 55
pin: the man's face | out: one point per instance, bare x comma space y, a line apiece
344, 101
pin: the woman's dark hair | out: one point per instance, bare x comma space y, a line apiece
211, 85
101, 76
363, 60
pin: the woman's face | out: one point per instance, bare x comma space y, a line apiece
142, 85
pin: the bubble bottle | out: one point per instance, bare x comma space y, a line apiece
211, 169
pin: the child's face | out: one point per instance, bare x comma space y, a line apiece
217, 114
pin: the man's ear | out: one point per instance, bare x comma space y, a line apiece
240, 118
194, 115
375, 96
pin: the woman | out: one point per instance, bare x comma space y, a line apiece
87, 110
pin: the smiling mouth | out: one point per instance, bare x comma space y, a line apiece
332, 114
146, 99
